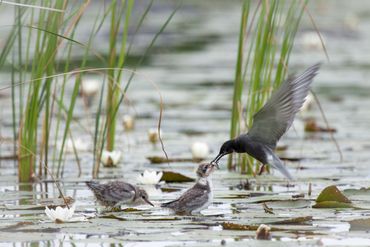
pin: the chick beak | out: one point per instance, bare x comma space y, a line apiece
147, 201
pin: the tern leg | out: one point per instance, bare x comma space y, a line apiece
262, 169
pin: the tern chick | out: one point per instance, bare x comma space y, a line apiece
198, 197
116, 193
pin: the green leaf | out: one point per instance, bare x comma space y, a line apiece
332, 204
333, 194
171, 177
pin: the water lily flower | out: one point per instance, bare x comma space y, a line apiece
90, 86
199, 150
128, 122
311, 41
60, 214
77, 143
150, 177
153, 135
110, 158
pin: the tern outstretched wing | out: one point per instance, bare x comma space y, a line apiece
277, 115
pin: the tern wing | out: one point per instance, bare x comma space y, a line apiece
277, 115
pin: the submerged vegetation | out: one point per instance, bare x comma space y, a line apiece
266, 38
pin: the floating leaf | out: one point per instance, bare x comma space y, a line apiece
300, 203
174, 177
332, 193
233, 226
25, 207
160, 160
241, 227
332, 204
360, 225
296, 220
362, 194
331, 197
112, 216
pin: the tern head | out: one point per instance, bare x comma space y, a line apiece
227, 148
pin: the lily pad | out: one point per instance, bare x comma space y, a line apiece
174, 177
362, 194
332, 193
332, 204
296, 220
332, 197
360, 225
160, 160
300, 203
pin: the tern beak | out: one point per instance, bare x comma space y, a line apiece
218, 157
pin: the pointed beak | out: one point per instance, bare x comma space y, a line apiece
147, 201
218, 157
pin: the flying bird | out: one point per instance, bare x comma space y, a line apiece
272, 121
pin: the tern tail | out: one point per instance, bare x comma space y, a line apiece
275, 162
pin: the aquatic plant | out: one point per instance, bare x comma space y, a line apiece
269, 32
42, 66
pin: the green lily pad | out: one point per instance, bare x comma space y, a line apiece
332, 193
333, 204
174, 177
332, 197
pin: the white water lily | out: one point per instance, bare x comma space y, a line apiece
90, 86
60, 214
311, 41
153, 135
110, 158
200, 150
128, 122
150, 177
78, 144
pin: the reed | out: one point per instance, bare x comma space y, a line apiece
269, 32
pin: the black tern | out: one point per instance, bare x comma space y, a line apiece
198, 197
272, 121
116, 193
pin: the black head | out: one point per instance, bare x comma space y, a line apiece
143, 196
227, 148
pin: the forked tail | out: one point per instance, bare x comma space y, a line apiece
275, 162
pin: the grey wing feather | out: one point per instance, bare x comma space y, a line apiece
277, 115
189, 201
113, 192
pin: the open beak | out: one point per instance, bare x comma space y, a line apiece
218, 157
147, 201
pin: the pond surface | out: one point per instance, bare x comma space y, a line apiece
193, 65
